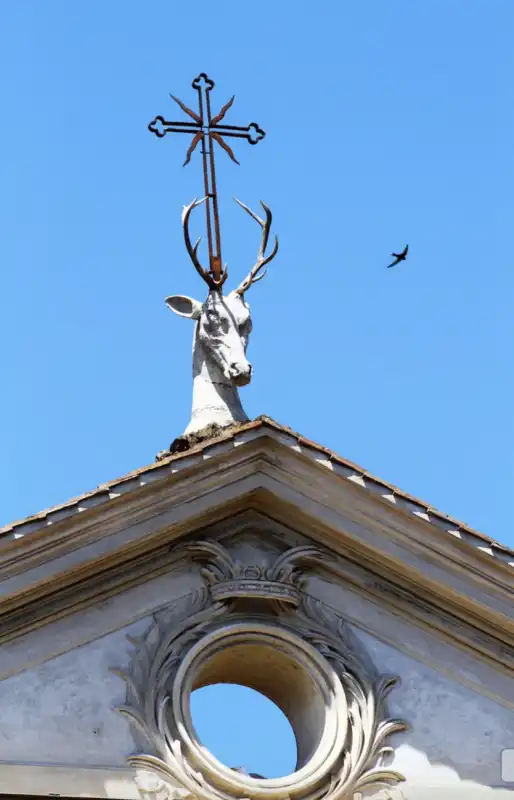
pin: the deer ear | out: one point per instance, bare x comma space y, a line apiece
184, 306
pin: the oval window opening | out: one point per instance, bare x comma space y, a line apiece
244, 730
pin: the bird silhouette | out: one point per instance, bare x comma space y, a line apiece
399, 257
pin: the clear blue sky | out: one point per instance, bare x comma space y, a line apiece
388, 122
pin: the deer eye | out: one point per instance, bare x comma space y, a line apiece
212, 319
245, 328
215, 323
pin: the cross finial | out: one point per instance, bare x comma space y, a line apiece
206, 130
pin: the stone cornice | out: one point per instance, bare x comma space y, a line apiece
235, 437
410, 565
124, 591
46, 780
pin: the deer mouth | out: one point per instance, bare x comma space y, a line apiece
239, 375
242, 380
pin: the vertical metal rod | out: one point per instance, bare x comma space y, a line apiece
216, 259
206, 177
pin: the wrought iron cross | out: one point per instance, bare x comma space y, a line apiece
206, 130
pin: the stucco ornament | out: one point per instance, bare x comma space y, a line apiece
223, 326
253, 625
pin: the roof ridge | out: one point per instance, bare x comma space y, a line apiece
357, 474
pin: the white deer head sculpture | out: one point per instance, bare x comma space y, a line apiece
223, 326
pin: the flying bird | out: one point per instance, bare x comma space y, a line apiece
399, 257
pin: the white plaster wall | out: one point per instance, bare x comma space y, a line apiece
460, 709
57, 693
456, 733
61, 712
91, 623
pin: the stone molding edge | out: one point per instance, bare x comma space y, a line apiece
458, 632
26, 606
347, 754
122, 783
69, 780
263, 425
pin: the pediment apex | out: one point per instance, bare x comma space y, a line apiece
250, 447
264, 469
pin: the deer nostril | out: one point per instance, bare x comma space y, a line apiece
241, 373
238, 367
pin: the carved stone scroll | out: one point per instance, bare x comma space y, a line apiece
293, 650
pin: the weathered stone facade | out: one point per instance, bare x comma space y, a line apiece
371, 621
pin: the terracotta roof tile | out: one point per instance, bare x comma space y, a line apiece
238, 435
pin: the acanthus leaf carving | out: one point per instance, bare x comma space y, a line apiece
315, 638
281, 581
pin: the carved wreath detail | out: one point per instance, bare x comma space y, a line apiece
348, 757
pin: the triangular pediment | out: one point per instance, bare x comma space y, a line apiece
423, 597
264, 469
129, 525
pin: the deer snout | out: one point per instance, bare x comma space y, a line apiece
241, 372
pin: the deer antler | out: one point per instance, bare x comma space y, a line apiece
254, 276
211, 282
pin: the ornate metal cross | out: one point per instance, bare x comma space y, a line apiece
206, 130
